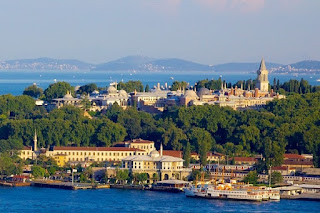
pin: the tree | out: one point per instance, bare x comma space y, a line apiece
87, 89
9, 165
33, 91
276, 177
122, 175
86, 104
109, 133
57, 90
176, 85
147, 89
252, 177
187, 154
141, 177
38, 171
203, 142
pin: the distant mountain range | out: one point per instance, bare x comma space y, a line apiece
143, 63
45, 64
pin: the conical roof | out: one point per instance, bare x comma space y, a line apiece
262, 65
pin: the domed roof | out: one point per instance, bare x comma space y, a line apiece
112, 90
68, 95
154, 154
123, 93
203, 91
190, 93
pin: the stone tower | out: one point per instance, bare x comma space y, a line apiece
262, 79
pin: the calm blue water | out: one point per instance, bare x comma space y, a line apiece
30, 199
15, 82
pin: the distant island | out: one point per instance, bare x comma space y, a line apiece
143, 63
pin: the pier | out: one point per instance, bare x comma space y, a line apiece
67, 185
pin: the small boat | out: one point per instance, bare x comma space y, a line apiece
318, 79
171, 78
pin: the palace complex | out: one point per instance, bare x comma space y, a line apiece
159, 97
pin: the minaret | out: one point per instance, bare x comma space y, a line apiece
262, 79
161, 149
35, 140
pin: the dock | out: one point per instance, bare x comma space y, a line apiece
68, 185
303, 196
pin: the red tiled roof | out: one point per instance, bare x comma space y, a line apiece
194, 153
297, 163
248, 159
279, 168
73, 148
139, 141
26, 148
293, 156
214, 154
173, 153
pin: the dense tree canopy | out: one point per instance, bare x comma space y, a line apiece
57, 90
33, 91
286, 125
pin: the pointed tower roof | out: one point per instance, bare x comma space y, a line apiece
262, 65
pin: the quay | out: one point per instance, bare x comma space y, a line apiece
67, 185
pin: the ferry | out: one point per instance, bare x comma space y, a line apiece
227, 191
223, 192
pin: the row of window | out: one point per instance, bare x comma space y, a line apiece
100, 153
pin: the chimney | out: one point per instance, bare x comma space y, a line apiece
158, 85
166, 85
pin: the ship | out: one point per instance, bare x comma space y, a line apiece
223, 191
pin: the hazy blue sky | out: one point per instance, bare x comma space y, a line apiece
205, 31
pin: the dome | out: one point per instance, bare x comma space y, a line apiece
190, 94
68, 95
203, 91
112, 90
123, 93
154, 154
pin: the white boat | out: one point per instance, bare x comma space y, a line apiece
235, 194
318, 79
193, 191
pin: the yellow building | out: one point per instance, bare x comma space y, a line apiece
156, 164
60, 159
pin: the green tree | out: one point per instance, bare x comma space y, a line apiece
38, 171
176, 85
252, 177
33, 91
187, 154
203, 142
87, 89
276, 177
9, 165
86, 104
147, 88
57, 90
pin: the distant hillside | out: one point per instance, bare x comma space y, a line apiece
243, 67
143, 63
300, 67
126, 63
306, 65
149, 64
45, 64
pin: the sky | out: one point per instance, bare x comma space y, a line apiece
203, 31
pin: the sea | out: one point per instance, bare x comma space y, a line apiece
32, 199
15, 81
